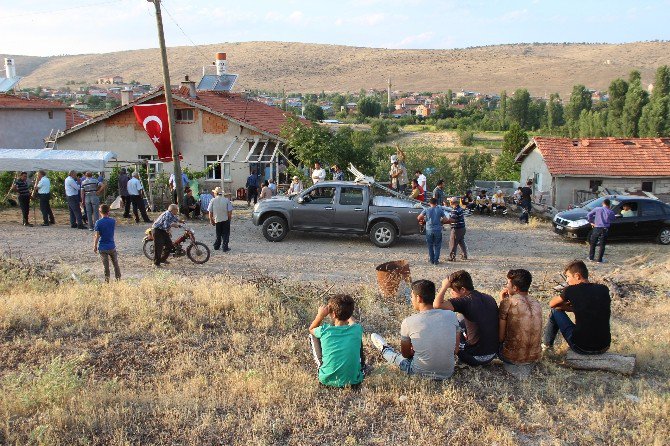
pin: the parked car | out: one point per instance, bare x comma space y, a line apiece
648, 219
339, 206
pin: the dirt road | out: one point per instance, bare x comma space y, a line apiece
496, 244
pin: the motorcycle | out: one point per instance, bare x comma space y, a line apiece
198, 252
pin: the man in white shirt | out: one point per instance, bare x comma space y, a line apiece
43, 189
72, 191
318, 174
220, 213
421, 179
136, 193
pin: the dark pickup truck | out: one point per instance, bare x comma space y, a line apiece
340, 206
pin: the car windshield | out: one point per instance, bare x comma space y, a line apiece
598, 202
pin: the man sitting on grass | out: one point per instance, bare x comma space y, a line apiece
480, 323
338, 348
498, 203
429, 339
590, 333
520, 320
483, 203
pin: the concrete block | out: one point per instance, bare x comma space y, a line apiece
610, 362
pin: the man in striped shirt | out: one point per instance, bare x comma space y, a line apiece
90, 188
457, 238
21, 187
165, 221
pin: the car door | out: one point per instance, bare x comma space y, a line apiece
651, 219
315, 209
625, 225
351, 210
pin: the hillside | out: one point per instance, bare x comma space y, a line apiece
542, 68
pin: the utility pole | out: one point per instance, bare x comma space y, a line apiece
179, 186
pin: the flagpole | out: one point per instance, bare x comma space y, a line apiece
168, 102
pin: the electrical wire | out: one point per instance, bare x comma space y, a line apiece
204, 56
59, 10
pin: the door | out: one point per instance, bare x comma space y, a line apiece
315, 209
625, 224
352, 205
651, 219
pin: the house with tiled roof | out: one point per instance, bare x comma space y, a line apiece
26, 120
225, 133
565, 170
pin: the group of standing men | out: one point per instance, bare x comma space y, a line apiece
41, 191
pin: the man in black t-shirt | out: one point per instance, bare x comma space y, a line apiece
590, 333
480, 323
525, 201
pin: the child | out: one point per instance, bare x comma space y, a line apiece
429, 339
338, 348
103, 242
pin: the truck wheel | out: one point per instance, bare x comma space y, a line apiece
383, 234
664, 236
275, 229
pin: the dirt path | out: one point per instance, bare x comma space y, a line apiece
495, 244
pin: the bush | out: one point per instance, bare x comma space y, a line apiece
380, 129
466, 137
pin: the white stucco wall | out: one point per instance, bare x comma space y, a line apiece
26, 129
566, 187
121, 134
534, 165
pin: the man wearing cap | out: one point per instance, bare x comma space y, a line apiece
295, 187
457, 237
318, 174
220, 213
398, 175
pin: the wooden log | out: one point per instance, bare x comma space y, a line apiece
610, 362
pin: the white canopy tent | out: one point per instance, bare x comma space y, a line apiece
58, 160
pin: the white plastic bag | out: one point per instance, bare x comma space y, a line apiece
116, 204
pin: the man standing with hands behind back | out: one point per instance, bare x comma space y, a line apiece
220, 213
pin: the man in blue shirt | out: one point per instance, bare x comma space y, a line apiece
43, 187
600, 218
457, 238
103, 242
433, 217
252, 187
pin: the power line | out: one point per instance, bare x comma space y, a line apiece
59, 10
205, 57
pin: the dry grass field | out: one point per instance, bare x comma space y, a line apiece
303, 67
169, 359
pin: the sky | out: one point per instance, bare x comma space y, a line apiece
55, 27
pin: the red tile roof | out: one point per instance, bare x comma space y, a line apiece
613, 157
74, 117
253, 113
9, 101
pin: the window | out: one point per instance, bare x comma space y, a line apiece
650, 209
594, 185
648, 186
321, 195
351, 196
627, 209
183, 114
155, 165
51, 115
213, 167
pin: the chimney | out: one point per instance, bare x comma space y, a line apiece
191, 87
10, 68
221, 64
126, 96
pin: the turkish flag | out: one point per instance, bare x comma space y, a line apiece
154, 119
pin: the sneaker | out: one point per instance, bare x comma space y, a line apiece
378, 342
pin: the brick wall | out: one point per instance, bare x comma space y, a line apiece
213, 124
123, 119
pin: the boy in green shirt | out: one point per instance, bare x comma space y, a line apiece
338, 348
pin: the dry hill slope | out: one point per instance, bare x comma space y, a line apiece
542, 68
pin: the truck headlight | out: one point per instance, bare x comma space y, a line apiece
578, 223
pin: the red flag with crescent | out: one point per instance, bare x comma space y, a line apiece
154, 119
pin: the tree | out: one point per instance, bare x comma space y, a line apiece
636, 99
519, 107
309, 143
379, 129
503, 110
369, 106
514, 140
617, 99
470, 167
314, 112
554, 112
655, 118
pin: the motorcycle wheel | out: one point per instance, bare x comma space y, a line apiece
198, 252
148, 249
